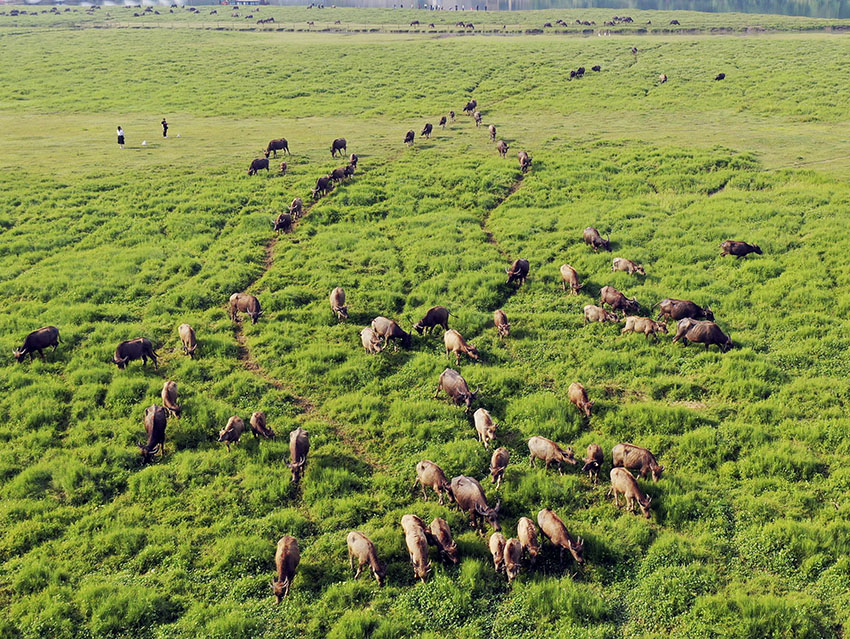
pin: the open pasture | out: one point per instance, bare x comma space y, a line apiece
748, 535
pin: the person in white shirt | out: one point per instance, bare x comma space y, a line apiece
120, 137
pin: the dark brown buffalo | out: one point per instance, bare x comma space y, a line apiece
388, 329
617, 301
738, 249
296, 208
435, 316
594, 239
470, 499
470, 106
277, 145
500, 320
36, 341
456, 388
705, 332
323, 186
286, 559
258, 165
139, 348
258, 425
517, 272
409, 137
338, 174
477, 117
502, 147
720, 76
155, 421
524, 161
338, 145
283, 223
299, 446
498, 464
443, 122
452, 115
246, 303
673, 309
352, 160
492, 130
426, 131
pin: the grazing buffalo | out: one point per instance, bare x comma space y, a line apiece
246, 303
593, 462
500, 321
594, 313
323, 186
549, 452
258, 165
410, 137
524, 161
705, 332
429, 474
644, 325
340, 173
388, 329
492, 130
673, 309
674, 22
416, 540
283, 168
434, 316
443, 122
596, 68
526, 532
155, 420
738, 249
277, 145
622, 264
286, 560
477, 117
484, 426
456, 388
338, 145
636, 458
498, 464
169, 398
361, 547
570, 276
497, 550
371, 342
517, 271
513, 558
552, 528
187, 337
426, 131
452, 115
622, 483
258, 425
662, 78
470, 107
338, 306
139, 348
470, 499
352, 160
283, 223
415, 23
296, 208
720, 76
595, 240
617, 301
442, 538
455, 344
578, 396
232, 431
299, 446
502, 147
36, 341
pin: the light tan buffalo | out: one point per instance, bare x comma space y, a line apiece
484, 426
512, 558
417, 545
578, 396
362, 548
500, 320
622, 483
549, 452
497, 550
232, 431
594, 313
643, 325
370, 340
498, 464
622, 264
258, 425
187, 337
337, 299
570, 276
526, 531
593, 462
455, 344
429, 474
442, 535
169, 398
553, 529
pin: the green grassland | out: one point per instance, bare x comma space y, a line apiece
749, 535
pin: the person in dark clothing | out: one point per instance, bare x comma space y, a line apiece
164, 128
120, 137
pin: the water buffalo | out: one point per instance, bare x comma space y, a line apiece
258, 425
570, 276
416, 540
338, 145
232, 431
296, 208
442, 535
738, 249
371, 342
593, 462
644, 325
36, 341
622, 264
484, 426
594, 313
500, 321
456, 388
477, 117
388, 329
549, 452
139, 348
720, 76
337, 299
426, 131
705, 332
492, 130
526, 532
502, 147
470, 499
498, 464
455, 343
443, 122
662, 78
155, 420
283, 223
524, 161
352, 160
323, 186
552, 528
434, 316
277, 145
258, 165
680, 309
517, 271
594, 239
452, 115
470, 107
245, 303
299, 446
636, 458
513, 558
286, 560
339, 173
409, 137
617, 301
623, 483
169, 398
578, 396
429, 474
596, 68
497, 550
361, 547
187, 337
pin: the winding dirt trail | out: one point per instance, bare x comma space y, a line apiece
491, 238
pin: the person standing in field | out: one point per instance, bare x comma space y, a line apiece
120, 137
164, 128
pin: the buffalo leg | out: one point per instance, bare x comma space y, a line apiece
436, 392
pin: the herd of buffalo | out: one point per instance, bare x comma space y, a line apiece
693, 324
